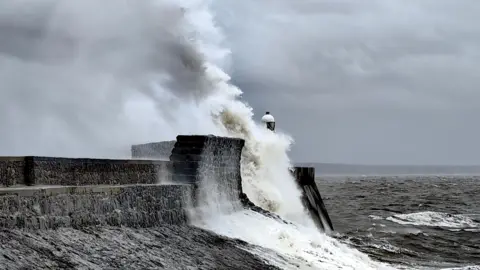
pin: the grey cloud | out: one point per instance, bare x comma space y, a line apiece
370, 82
353, 81
72, 74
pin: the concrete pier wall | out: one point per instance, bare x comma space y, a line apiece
224, 157
51, 192
48, 192
78, 206
211, 164
33, 170
12, 171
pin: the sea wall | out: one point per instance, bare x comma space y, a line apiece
79, 206
12, 171
211, 164
34, 170
196, 159
50, 192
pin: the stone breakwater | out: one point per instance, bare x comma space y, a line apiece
78, 213
82, 206
35, 171
195, 158
49, 192
64, 213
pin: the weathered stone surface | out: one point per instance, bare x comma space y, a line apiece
197, 157
90, 196
32, 170
211, 163
164, 247
156, 150
70, 171
53, 207
216, 172
12, 170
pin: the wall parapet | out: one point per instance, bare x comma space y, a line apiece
36, 170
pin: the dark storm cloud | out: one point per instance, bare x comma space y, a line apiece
363, 81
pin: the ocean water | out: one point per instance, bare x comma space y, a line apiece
411, 222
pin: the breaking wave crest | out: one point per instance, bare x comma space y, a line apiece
86, 78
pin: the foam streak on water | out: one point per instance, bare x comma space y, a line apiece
435, 219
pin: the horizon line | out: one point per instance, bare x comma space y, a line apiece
384, 165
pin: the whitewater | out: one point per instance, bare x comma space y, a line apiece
77, 72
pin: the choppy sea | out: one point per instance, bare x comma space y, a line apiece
411, 222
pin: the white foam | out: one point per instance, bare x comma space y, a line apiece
436, 219
374, 217
303, 246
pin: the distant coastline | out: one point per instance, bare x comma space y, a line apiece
355, 169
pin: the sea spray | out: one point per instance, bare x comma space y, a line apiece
303, 246
267, 181
265, 164
86, 78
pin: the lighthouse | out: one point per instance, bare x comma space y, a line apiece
269, 121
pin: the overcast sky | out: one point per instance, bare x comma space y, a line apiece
88, 78
373, 81
370, 82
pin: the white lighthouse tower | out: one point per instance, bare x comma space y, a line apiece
269, 121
